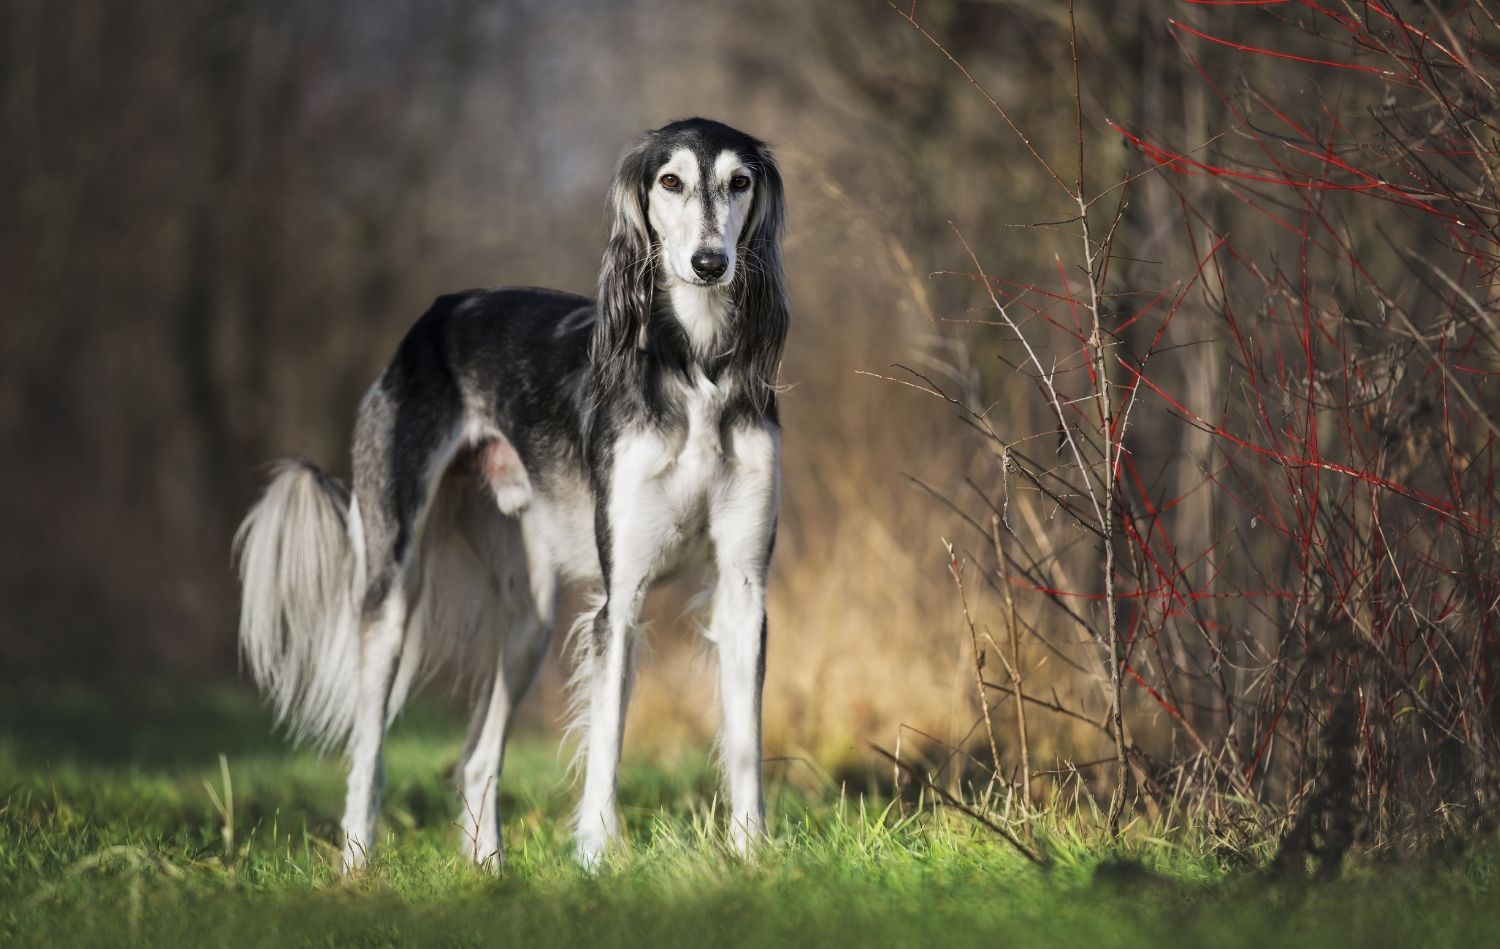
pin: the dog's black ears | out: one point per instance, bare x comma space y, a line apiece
627, 195
768, 217
760, 287
626, 280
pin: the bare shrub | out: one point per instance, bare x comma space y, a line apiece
1252, 522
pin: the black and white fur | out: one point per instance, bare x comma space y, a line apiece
522, 438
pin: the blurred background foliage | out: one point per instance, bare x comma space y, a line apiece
218, 218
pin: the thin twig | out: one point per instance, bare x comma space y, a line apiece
1013, 632
1004, 833
989, 727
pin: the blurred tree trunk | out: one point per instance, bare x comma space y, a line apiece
205, 311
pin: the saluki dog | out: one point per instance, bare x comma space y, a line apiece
521, 439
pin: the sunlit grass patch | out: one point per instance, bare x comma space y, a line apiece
110, 835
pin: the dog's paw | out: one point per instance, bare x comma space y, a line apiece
589, 851
353, 857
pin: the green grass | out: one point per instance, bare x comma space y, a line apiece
113, 831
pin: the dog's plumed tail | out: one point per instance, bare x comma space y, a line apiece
300, 553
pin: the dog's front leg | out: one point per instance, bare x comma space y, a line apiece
636, 526
739, 628
742, 523
609, 680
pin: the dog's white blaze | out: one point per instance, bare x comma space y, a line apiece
677, 219
677, 216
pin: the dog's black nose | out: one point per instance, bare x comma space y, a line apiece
709, 264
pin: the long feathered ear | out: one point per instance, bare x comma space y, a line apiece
760, 294
626, 277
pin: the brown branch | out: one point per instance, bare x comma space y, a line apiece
1040, 859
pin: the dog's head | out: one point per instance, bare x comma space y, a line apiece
694, 204
699, 196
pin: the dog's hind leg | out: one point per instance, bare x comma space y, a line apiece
399, 458
525, 643
382, 632
526, 584
385, 615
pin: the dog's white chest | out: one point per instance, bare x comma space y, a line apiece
665, 480
695, 460
702, 451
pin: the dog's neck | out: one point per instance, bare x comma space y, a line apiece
704, 313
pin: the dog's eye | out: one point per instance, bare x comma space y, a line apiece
739, 182
671, 182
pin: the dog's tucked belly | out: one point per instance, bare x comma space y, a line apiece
561, 519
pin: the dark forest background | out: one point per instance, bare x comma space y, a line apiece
218, 218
